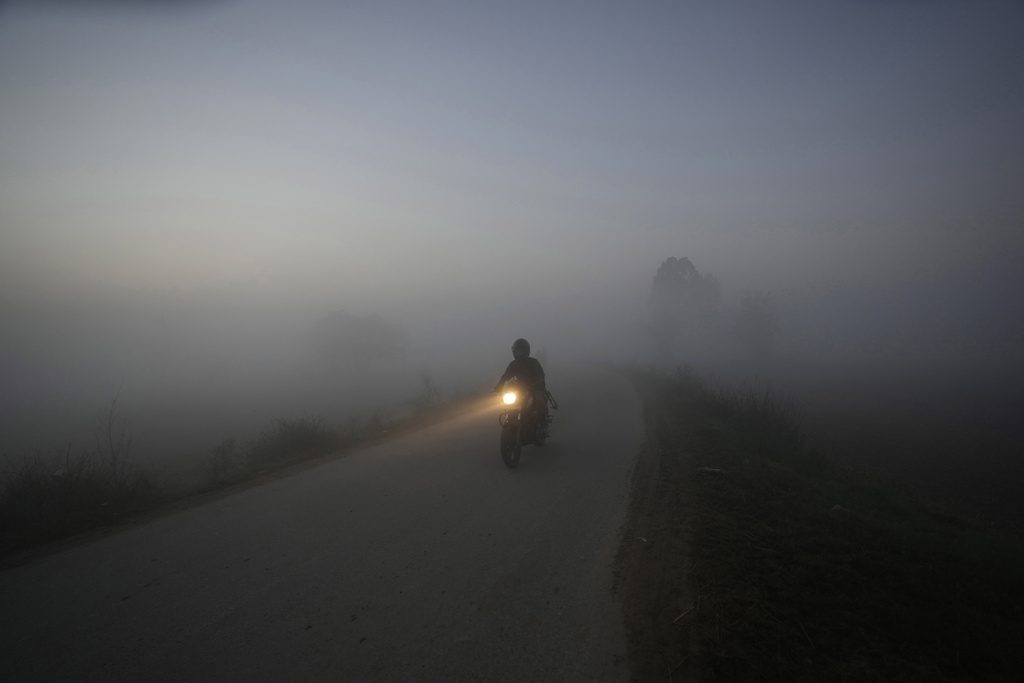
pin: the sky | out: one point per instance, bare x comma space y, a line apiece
408, 154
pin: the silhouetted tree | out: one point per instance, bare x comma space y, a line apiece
681, 300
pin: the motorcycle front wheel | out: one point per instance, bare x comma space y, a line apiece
511, 447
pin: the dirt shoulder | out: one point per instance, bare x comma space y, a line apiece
654, 563
748, 556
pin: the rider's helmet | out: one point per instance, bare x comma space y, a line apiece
520, 348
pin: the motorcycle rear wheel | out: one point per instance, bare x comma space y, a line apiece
511, 447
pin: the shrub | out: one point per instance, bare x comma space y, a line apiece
290, 439
43, 497
227, 463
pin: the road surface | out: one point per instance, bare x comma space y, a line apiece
421, 558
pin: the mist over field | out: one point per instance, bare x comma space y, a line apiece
227, 212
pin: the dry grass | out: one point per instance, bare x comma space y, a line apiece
43, 497
809, 571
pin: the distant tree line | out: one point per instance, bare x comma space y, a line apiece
685, 308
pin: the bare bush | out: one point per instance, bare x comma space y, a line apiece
291, 439
44, 497
227, 463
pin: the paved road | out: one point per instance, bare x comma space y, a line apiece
422, 558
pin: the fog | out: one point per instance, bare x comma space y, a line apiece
189, 191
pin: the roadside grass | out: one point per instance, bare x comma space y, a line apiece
803, 570
290, 441
48, 496
285, 442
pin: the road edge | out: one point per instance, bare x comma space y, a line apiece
653, 563
173, 505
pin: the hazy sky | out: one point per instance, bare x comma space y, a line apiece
409, 150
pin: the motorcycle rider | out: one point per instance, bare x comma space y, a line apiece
528, 372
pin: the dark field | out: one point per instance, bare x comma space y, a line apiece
768, 560
951, 434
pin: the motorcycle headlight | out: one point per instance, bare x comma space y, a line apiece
509, 398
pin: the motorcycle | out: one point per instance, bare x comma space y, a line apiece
523, 422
